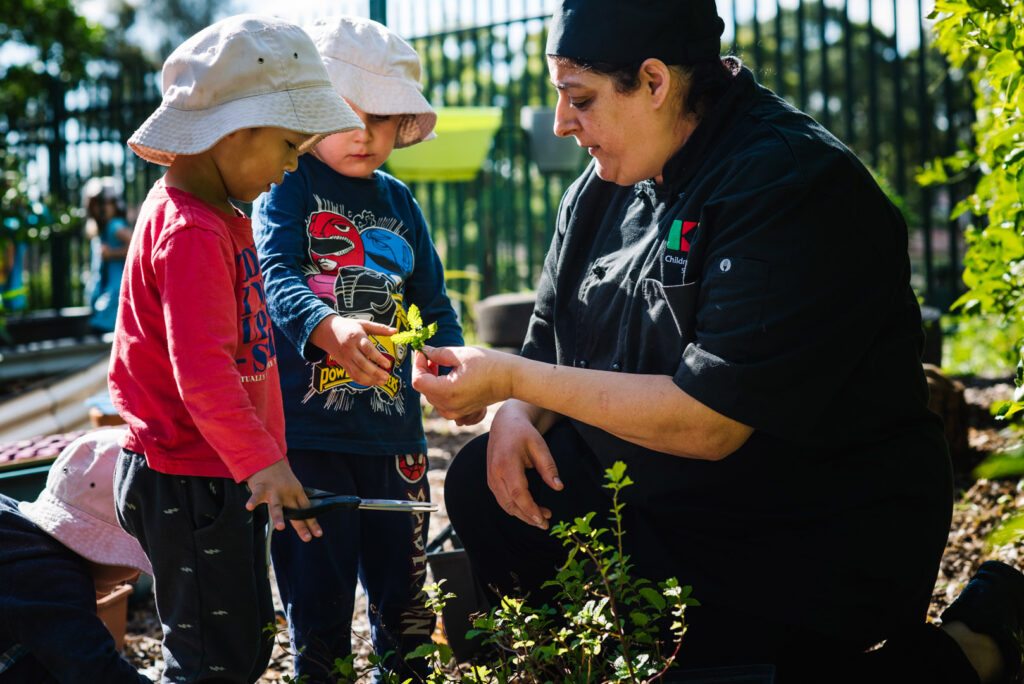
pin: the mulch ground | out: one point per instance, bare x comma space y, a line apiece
981, 506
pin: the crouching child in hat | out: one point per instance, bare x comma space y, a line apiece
193, 367
346, 251
58, 555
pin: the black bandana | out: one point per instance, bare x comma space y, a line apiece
626, 31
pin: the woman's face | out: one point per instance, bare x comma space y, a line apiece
619, 130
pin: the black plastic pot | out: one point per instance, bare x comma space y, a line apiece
551, 153
502, 320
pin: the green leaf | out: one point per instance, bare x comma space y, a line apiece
1001, 464
1003, 65
423, 651
1007, 532
416, 335
415, 320
953, 7
616, 472
653, 597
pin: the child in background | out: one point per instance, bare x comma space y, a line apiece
346, 251
58, 554
193, 368
109, 235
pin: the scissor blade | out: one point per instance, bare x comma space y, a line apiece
397, 505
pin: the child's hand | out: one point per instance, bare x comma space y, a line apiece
347, 341
278, 487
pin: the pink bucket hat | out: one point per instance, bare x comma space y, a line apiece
377, 71
77, 505
245, 71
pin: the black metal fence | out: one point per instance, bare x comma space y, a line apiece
863, 68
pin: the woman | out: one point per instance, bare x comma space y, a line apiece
725, 308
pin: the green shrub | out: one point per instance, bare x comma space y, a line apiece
608, 626
986, 38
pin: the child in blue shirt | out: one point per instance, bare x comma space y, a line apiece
109, 234
345, 251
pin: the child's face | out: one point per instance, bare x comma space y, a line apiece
102, 209
250, 160
358, 153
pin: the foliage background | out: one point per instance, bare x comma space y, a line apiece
986, 38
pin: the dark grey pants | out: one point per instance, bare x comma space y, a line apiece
210, 570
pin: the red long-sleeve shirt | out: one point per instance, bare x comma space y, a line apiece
193, 370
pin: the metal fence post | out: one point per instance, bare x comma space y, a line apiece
60, 253
379, 11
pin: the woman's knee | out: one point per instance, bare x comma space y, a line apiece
465, 481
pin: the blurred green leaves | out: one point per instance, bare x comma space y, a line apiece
54, 42
986, 38
1008, 463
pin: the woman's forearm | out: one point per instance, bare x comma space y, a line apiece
649, 410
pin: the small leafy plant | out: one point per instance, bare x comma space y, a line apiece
607, 626
417, 333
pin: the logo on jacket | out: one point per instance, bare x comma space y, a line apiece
678, 246
677, 241
411, 466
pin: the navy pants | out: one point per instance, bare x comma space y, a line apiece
384, 550
517, 559
210, 569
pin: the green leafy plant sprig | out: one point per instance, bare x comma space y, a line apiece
417, 333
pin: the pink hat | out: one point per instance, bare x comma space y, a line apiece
77, 506
377, 71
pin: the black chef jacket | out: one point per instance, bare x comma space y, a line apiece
768, 275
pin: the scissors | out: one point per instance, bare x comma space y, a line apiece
321, 502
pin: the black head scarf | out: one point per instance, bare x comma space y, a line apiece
627, 31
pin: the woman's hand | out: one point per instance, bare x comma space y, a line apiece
478, 378
516, 444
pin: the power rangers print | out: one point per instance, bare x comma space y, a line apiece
358, 265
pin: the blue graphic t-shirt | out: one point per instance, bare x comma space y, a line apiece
358, 247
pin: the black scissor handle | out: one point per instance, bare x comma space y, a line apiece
321, 502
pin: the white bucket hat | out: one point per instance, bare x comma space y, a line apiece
377, 71
77, 505
245, 71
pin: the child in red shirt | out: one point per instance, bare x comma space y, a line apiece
193, 369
